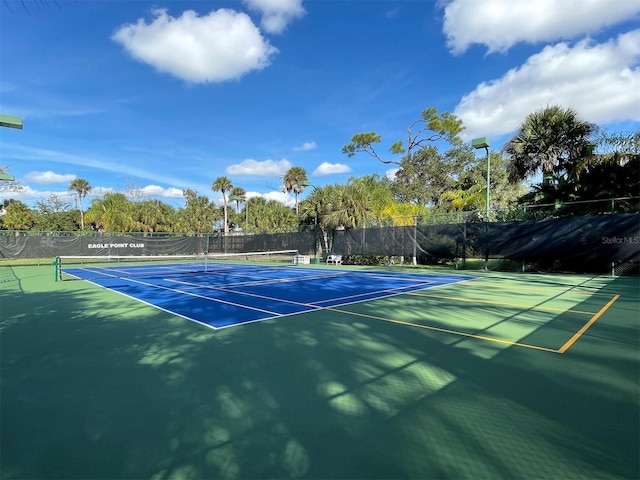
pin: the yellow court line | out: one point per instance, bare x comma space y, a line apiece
586, 326
574, 289
444, 330
503, 304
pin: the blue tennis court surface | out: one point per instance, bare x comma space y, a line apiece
237, 294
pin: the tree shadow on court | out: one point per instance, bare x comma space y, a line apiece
96, 385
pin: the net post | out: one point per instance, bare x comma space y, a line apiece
56, 264
297, 257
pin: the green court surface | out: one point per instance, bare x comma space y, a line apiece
504, 376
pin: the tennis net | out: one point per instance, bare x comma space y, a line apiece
89, 267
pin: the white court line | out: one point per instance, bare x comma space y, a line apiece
183, 292
273, 281
379, 295
226, 290
315, 305
269, 281
124, 272
393, 291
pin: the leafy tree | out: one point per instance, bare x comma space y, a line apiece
459, 200
401, 214
424, 176
17, 215
223, 185
551, 141
81, 188
613, 170
54, 214
617, 147
385, 208
504, 194
293, 180
621, 152
198, 215
431, 127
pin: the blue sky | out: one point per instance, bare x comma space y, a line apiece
163, 96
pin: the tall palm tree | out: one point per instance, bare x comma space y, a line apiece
293, 179
552, 140
223, 185
81, 188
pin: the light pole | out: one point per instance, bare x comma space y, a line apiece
483, 142
9, 121
307, 183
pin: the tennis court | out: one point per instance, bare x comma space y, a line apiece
328, 372
229, 294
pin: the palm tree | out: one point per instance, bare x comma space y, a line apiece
460, 200
81, 188
338, 206
352, 205
223, 185
238, 194
294, 181
153, 216
316, 207
112, 213
552, 140
198, 215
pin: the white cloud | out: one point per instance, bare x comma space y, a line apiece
306, 146
278, 196
276, 14
49, 177
222, 45
326, 168
600, 81
157, 191
266, 168
500, 24
281, 197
